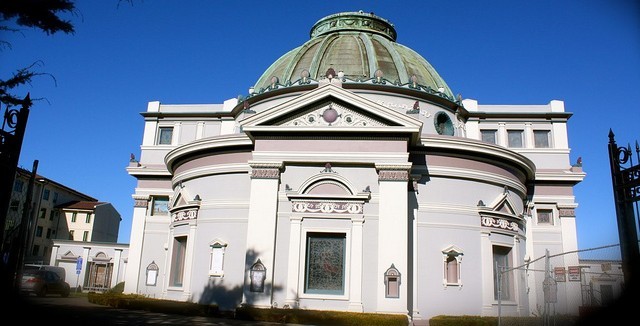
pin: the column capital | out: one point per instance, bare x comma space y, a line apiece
265, 170
140, 200
393, 171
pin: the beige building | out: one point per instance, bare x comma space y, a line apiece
51, 209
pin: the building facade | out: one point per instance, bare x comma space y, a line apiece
91, 266
351, 178
50, 210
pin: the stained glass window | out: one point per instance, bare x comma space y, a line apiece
325, 265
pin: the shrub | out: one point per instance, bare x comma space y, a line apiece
317, 317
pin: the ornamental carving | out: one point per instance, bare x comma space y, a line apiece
331, 115
265, 173
140, 201
327, 207
390, 175
567, 212
188, 214
499, 223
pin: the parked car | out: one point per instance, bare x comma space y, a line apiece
59, 270
43, 282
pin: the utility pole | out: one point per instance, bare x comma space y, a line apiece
21, 248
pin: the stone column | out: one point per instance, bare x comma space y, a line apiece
486, 252
293, 271
188, 262
132, 280
355, 295
393, 233
117, 260
261, 228
567, 217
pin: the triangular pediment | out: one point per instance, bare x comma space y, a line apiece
331, 108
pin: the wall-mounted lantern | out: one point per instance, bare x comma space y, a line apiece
258, 274
152, 274
392, 282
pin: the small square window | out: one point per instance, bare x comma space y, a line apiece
488, 136
545, 216
541, 138
515, 138
165, 134
160, 205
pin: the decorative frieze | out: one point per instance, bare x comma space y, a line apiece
187, 214
327, 207
265, 173
499, 223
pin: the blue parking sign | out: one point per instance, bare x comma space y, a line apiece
79, 265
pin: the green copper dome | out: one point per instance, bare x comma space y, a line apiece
363, 47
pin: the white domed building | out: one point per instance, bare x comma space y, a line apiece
351, 178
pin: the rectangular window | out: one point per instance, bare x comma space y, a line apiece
85, 236
35, 250
452, 270
55, 197
18, 185
541, 138
15, 204
74, 216
217, 259
39, 232
502, 280
43, 212
325, 263
489, 136
545, 216
177, 260
45, 195
515, 138
70, 234
164, 135
160, 205
88, 218
51, 215
48, 233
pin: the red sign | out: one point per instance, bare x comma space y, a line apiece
560, 274
574, 273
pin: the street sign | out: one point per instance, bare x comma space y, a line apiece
78, 265
574, 273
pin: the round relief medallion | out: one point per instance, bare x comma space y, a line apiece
330, 115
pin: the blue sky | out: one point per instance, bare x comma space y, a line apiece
123, 55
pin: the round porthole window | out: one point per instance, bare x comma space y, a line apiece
443, 124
